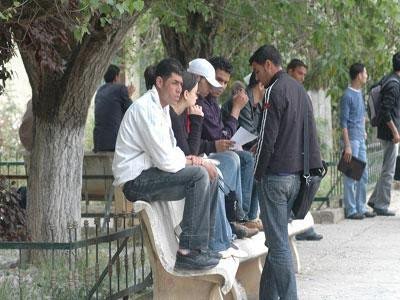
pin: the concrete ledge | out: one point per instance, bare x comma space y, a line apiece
328, 215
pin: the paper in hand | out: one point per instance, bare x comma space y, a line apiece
242, 137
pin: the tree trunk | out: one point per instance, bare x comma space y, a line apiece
197, 40
55, 179
60, 106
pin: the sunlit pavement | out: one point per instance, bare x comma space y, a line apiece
356, 259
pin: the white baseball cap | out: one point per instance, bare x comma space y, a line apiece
202, 67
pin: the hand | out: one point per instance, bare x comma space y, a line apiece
347, 154
223, 145
211, 169
195, 160
131, 90
240, 99
253, 148
396, 138
196, 110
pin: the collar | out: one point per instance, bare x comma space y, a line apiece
275, 77
156, 99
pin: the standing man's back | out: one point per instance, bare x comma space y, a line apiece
111, 102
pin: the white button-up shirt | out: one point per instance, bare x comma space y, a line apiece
145, 139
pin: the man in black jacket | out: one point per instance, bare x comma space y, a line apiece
298, 70
279, 162
388, 133
110, 104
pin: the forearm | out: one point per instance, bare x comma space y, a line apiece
392, 128
346, 139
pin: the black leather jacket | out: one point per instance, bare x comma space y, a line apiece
281, 135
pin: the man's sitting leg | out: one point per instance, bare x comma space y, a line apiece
193, 184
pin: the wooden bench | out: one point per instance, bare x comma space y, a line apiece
232, 278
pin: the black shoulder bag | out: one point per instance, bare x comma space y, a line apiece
309, 182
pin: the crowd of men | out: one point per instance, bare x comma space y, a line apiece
174, 142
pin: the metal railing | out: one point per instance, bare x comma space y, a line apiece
102, 265
109, 262
332, 186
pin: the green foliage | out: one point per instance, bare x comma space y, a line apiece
10, 118
109, 11
328, 35
48, 27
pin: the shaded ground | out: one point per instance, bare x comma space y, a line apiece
355, 259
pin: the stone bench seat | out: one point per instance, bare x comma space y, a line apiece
232, 278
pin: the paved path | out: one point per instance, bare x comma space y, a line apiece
356, 259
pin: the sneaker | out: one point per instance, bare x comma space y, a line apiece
195, 260
355, 216
384, 212
370, 214
256, 223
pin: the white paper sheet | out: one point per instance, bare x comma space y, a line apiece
241, 137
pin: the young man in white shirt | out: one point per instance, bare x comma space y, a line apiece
151, 167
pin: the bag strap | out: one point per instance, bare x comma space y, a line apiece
306, 153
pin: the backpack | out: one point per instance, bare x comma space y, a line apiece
375, 98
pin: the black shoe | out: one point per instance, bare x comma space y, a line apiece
369, 214
384, 212
195, 260
309, 237
355, 216
370, 204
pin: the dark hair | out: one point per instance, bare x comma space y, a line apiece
167, 66
150, 76
111, 73
356, 69
189, 81
295, 63
219, 62
396, 62
252, 81
264, 53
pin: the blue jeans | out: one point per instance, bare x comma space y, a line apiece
355, 192
222, 237
276, 193
191, 183
250, 199
230, 169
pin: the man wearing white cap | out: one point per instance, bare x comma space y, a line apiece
216, 136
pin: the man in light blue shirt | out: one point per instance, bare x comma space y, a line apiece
352, 122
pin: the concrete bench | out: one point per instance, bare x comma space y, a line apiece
99, 195
232, 278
